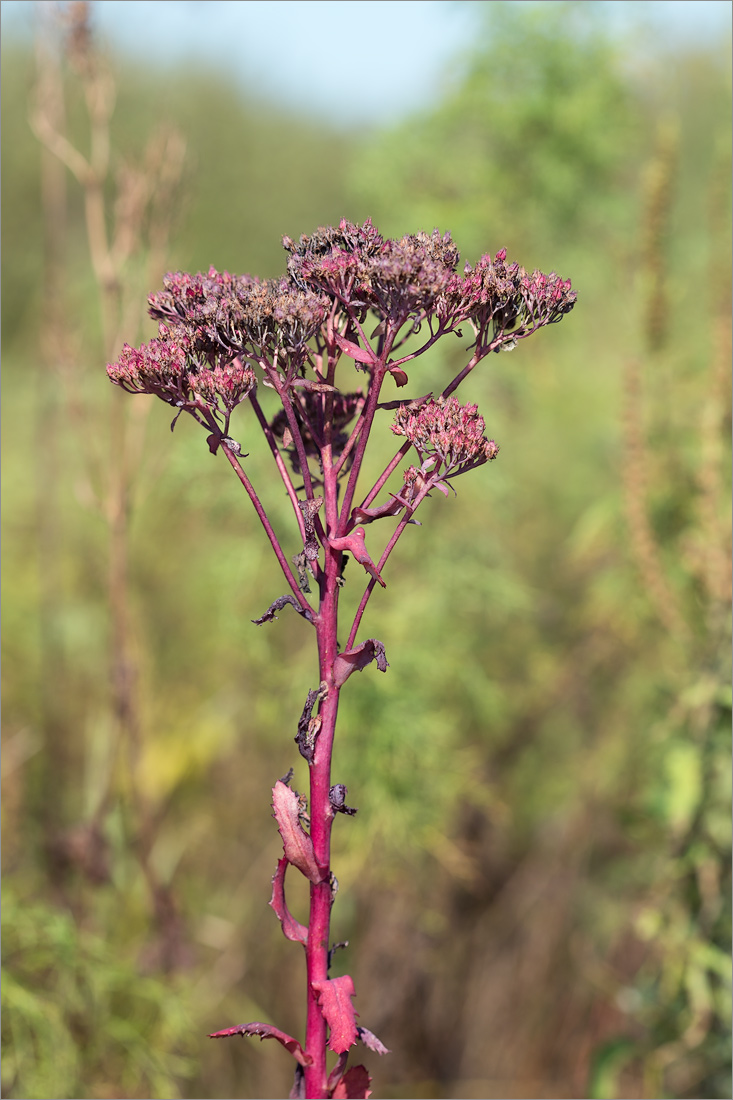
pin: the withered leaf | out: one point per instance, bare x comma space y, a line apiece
334, 997
297, 844
309, 509
370, 1040
393, 507
309, 726
337, 1072
278, 605
354, 543
399, 376
267, 1031
292, 928
359, 355
354, 660
354, 1085
297, 1092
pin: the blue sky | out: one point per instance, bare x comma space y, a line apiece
354, 61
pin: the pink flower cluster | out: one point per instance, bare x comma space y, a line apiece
216, 328
448, 430
410, 277
503, 302
170, 369
396, 279
238, 312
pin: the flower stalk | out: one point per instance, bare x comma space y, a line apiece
221, 337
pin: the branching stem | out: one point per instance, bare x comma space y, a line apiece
257, 504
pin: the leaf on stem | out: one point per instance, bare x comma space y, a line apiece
334, 997
399, 376
393, 507
302, 566
337, 1072
278, 605
360, 355
370, 1040
311, 387
292, 928
297, 1092
267, 1031
355, 545
297, 845
354, 1085
309, 508
309, 725
337, 797
354, 660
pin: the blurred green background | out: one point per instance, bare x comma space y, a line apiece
536, 889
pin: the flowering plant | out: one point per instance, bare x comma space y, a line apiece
222, 336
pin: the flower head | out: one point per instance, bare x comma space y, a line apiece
447, 430
503, 302
237, 313
170, 368
199, 307
396, 279
278, 315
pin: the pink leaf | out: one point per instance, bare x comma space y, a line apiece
297, 845
292, 928
354, 544
399, 376
392, 508
337, 1072
354, 1085
370, 1040
266, 1031
334, 997
354, 660
361, 355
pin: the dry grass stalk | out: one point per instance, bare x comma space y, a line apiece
140, 222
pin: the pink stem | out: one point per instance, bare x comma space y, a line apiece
385, 475
453, 386
268, 528
287, 481
287, 404
387, 551
369, 411
449, 389
321, 817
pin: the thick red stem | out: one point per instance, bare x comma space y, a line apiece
321, 819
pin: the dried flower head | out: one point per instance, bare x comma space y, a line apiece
503, 302
447, 430
396, 279
238, 313
192, 305
171, 369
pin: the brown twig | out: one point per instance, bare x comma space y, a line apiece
139, 222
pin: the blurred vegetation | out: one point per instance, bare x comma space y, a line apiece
537, 885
